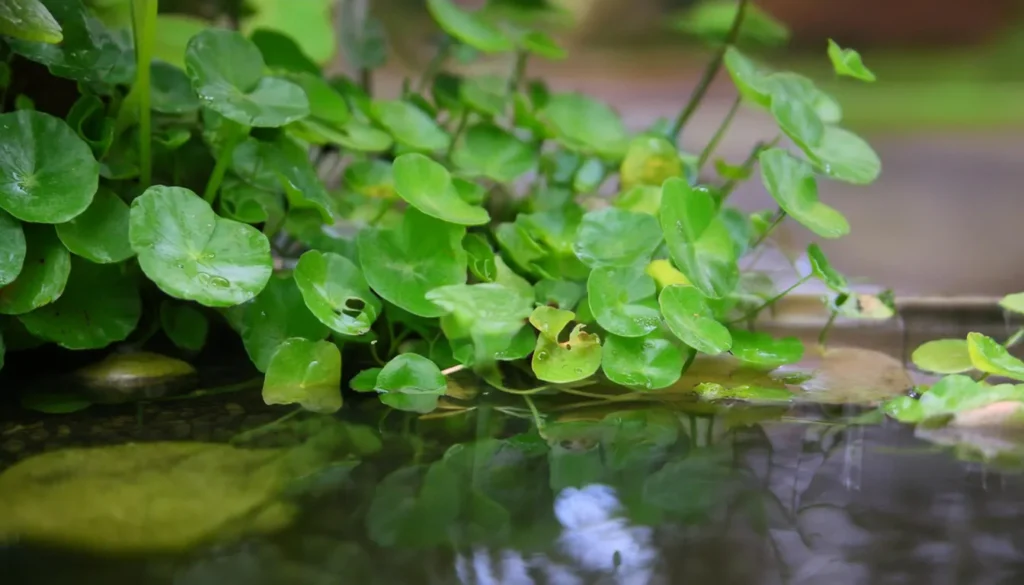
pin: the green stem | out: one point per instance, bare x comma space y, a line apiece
221, 168
828, 327
757, 310
518, 72
780, 215
144, 23
710, 72
459, 128
434, 67
705, 155
1014, 339
536, 417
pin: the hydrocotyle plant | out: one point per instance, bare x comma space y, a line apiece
473, 222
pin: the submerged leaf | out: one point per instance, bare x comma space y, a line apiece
304, 372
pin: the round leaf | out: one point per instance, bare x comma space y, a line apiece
44, 275
562, 363
468, 27
99, 306
281, 52
29, 20
622, 300
410, 126
47, 173
411, 382
12, 248
584, 124
844, 156
486, 149
764, 351
192, 254
790, 181
184, 325
482, 261
550, 321
100, 233
943, 356
307, 373
823, 271
226, 70
848, 62
616, 237
403, 264
427, 186
650, 160
698, 240
336, 292
171, 90
276, 314
751, 81
1014, 302
650, 362
993, 358
325, 103
688, 316
487, 307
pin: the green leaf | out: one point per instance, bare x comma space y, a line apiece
410, 126
247, 204
309, 23
956, 394
650, 362
488, 150
307, 373
184, 325
764, 351
798, 120
790, 181
481, 257
99, 306
1013, 302
518, 347
192, 254
589, 176
405, 263
54, 403
486, 94
649, 160
336, 292
712, 21
468, 27
698, 240
12, 248
583, 124
276, 314
562, 363
44, 275
281, 52
688, 315
325, 103
365, 381
226, 70
844, 156
848, 62
615, 237
823, 271
172, 34
487, 308
411, 382
29, 20
750, 79
354, 135
427, 186
290, 163
622, 300
550, 321
171, 90
791, 87
904, 409
563, 294
991, 357
100, 234
640, 199
943, 356
47, 173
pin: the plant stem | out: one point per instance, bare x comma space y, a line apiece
144, 24
452, 370
828, 327
705, 155
780, 215
710, 72
460, 126
221, 168
519, 71
747, 166
1014, 339
757, 310
434, 67
536, 417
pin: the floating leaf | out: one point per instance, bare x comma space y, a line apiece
615, 237
192, 254
184, 325
12, 248
427, 186
100, 233
278, 313
622, 300
649, 160
992, 357
468, 27
848, 62
1013, 302
584, 124
99, 306
698, 240
29, 20
764, 351
952, 395
688, 315
307, 373
550, 321
561, 363
336, 292
226, 70
411, 382
650, 362
405, 263
943, 356
790, 181
44, 275
411, 126
490, 151
47, 173
823, 271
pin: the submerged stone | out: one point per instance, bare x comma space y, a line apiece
853, 375
129, 377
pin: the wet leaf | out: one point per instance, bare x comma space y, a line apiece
100, 233
955, 394
750, 78
561, 363
991, 357
650, 362
278, 313
192, 254
844, 156
12, 248
550, 321
791, 182
698, 240
365, 381
427, 186
405, 263
47, 173
616, 238
226, 70
764, 351
171, 90
1013, 302
184, 325
688, 315
468, 27
307, 373
411, 382
848, 62
29, 20
44, 275
410, 126
622, 300
563, 294
583, 124
490, 151
336, 292
943, 356
823, 271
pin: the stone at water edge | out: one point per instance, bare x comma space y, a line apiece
854, 375
130, 377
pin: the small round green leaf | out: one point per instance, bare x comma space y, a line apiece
47, 173
99, 306
29, 20
100, 233
468, 27
12, 248
490, 151
698, 240
584, 124
616, 237
276, 314
184, 325
823, 271
411, 382
764, 351
650, 362
799, 121
365, 381
307, 373
171, 90
848, 62
226, 70
485, 94
791, 182
748, 77
1013, 302
574, 360
487, 308
622, 300
844, 156
542, 45
943, 356
991, 357
550, 321
690, 318
336, 292
411, 126
427, 186
44, 275
325, 103
649, 160
192, 254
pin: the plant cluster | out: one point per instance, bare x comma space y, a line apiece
461, 225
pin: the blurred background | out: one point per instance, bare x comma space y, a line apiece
946, 115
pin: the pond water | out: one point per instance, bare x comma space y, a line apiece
219, 490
